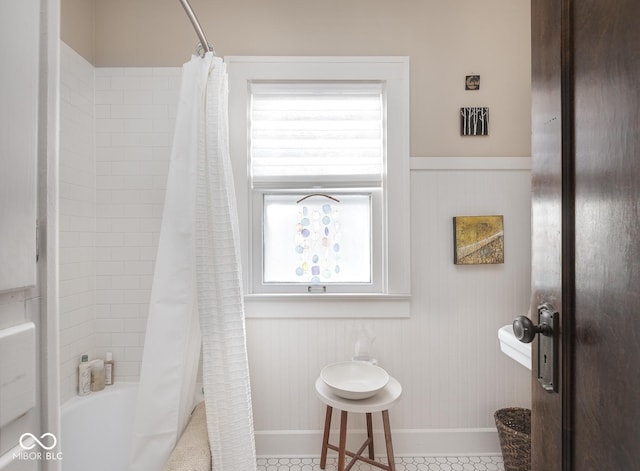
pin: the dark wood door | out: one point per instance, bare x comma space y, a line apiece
586, 236
549, 157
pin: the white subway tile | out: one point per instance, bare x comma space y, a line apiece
128, 370
109, 97
102, 111
125, 225
127, 196
127, 168
109, 325
103, 139
134, 354
110, 182
163, 125
139, 240
138, 97
137, 153
135, 325
125, 310
76, 285
109, 240
138, 125
160, 182
126, 282
71, 271
109, 296
76, 223
137, 296
104, 282
110, 268
141, 182
87, 239
138, 71
125, 253
139, 111
76, 254
103, 310
167, 71
165, 97
146, 281
102, 340
110, 125
103, 225
104, 196
148, 253
150, 224
110, 210
138, 210
109, 71
103, 168
162, 153
125, 339
138, 267
152, 196
68, 239
106, 154
103, 83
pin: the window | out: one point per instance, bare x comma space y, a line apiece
320, 154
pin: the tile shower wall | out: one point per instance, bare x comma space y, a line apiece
446, 355
77, 216
135, 114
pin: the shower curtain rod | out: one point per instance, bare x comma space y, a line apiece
206, 46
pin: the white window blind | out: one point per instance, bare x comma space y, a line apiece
321, 133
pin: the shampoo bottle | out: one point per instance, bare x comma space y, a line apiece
108, 369
84, 376
97, 375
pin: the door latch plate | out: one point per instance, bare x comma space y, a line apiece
547, 348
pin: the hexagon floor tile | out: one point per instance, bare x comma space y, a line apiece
449, 463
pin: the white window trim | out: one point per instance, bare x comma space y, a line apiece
394, 299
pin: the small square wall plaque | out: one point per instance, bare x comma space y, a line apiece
478, 240
474, 121
472, 82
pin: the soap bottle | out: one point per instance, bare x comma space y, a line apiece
363, 350
108, 369
84, 376
97, 375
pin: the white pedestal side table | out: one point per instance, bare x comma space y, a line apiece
378, 403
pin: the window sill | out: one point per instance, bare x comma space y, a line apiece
311, 306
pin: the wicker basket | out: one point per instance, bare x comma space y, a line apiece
514, 430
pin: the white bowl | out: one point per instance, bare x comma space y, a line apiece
354, 379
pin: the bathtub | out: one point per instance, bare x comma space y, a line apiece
97, 429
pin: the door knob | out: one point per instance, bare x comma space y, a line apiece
525, 330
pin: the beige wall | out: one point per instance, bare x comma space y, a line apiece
445, 40
77, 26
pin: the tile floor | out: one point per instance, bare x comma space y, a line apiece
463, 463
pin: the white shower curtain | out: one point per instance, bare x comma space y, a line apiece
197, 296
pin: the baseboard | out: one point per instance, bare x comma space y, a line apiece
408, 442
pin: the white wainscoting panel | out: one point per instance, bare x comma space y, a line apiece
446, 355
17, 371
